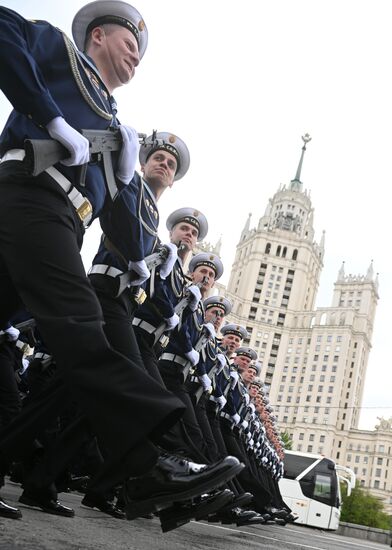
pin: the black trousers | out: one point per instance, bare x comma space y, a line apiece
148, 352
261, 494
41, 267
10, 403
173, 378
202, 419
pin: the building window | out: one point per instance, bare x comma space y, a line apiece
379, 461
376, 484
268, 248
378, 472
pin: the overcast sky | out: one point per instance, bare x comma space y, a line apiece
240, 82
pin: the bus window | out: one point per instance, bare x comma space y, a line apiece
322, 488
294, 465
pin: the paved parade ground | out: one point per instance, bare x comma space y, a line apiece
91, 530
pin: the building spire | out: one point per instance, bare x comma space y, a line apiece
370, 272
341, 274
296, 183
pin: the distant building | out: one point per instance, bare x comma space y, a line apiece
314, 359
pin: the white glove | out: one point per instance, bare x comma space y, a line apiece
234, 376
25, 366
129, 154
77, 145
195, 293
221, 400
167, 266
205, 382
247, 398
12, 333
193, 356
248, 436
141, 269
220, 361
251, 442
172, 322
236, 418
244, 424
209, 328
264, 460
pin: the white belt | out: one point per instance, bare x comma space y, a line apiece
144, 325
225, 415
194, 379
22, 346
81, 204
175, 358
103, 269
41, 355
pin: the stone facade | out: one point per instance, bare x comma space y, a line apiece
314, 359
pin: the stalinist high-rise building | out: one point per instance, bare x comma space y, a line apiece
313, 359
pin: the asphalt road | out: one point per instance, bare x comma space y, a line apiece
92, 530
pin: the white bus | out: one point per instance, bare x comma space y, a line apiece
310, 487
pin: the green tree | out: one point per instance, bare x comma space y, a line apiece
287, 441
363, 508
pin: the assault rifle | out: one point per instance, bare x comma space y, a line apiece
25, 326
153, 260
178, 309
211, 375
200, 344
41, 154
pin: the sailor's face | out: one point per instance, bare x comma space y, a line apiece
231, 342
248, 375
121, 53
253, 391
200, 273
184, 233
242, 362
160, 168
215, 316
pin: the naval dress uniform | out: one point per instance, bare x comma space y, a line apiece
130, 234
165, 294
42, 226
173, 365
